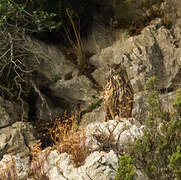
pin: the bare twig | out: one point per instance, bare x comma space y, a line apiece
41, 97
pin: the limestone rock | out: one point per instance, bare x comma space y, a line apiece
97, 115
98, 165
7, 116
52, 62
78, 89
141, 175
100, 76
17, 139
99, 36
113, 134
16, 168
152, 53
167, 101
103, 58
140, 106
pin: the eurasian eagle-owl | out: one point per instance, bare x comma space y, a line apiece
118, 94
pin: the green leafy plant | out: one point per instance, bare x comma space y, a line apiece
19, 18
152, 83
38, 16
175, 163
126, 168
177, 102
160, 140
153, 101
24, 15
44, 21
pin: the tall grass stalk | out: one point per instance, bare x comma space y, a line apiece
77, 44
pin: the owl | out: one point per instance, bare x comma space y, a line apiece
118, 94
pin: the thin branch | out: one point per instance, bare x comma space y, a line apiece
42, 98
19, 97
5, 53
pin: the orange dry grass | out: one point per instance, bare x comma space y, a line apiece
37, 169
61, 128
74, 145
65, 138
8, 172
68, 140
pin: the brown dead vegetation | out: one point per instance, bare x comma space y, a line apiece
67, 139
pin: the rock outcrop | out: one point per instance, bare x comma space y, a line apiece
156, 51
7, 113
17, 139
104, 142
98, 165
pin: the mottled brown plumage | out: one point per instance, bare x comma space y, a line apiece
118, 94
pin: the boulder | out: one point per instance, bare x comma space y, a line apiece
51, 62
102, 161
12, 167
98, 165
17, 139
77, 90
114, 134
7, 113
96, 115
140, 106
152, 53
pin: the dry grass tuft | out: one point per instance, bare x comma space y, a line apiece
74, 144
76, 41
66, 139
107, 138
8, 170
61, 127
37, 170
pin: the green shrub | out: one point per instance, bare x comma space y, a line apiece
153, 101
161, 138
152, 83
126, 169
39, 16
19, 18
177, 102
175, 163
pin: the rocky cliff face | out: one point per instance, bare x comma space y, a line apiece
154, 52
